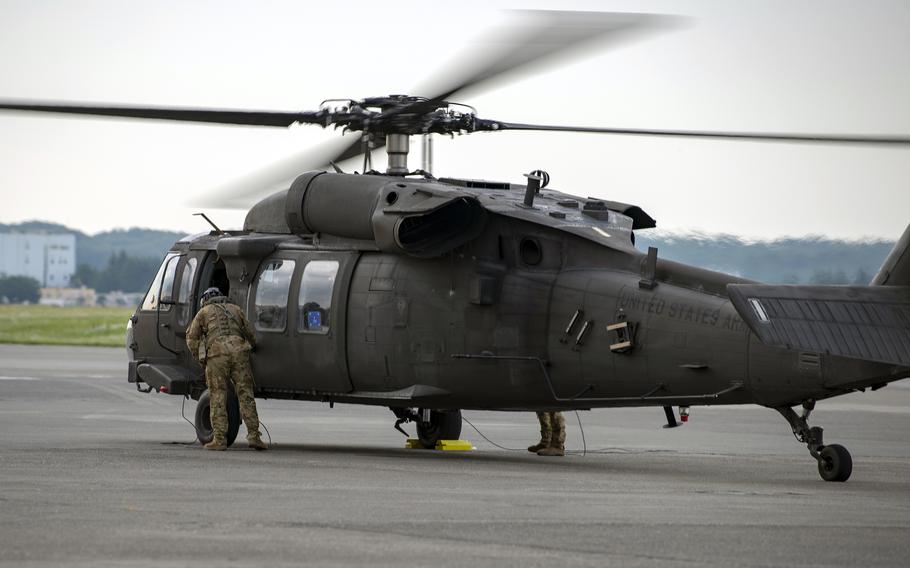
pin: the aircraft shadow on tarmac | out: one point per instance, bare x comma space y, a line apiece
649, 463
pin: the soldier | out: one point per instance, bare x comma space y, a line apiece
226, 339
552, 435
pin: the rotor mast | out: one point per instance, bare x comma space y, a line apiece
397, 148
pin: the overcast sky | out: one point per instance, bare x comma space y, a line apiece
818, 66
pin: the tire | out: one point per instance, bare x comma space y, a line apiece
835, 463
443, 425
204, 418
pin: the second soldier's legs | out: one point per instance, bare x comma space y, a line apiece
545, 432
557, 445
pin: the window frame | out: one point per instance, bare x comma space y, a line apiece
155, 287
300, 328
254, 294
186, 303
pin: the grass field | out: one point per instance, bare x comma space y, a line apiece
51, 325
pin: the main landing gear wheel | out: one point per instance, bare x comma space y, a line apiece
834, 461
204, 418
442, 425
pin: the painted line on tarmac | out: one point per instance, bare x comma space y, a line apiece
122, 391
131, 418
9, 378
76, 376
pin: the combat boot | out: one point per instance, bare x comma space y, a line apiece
543, 443
553, 450
216, 444
256, 443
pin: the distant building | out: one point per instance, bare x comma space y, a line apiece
65, 297
48, 258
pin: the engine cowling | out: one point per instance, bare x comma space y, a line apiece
418, 218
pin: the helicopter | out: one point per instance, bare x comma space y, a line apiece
430, 295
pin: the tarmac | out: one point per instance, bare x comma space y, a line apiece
93, 473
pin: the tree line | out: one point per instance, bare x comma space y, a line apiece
19, 290
122, 272
807, 260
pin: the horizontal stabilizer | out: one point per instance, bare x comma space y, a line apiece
863, 322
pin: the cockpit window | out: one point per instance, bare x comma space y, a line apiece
164, 281
185, 294
272, 295
314, 306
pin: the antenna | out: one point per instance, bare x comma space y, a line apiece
206, 217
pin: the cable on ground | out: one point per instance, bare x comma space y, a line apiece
183, 415
267, 433
476, 429
583, 452
584, 443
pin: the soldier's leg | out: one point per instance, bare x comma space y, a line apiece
557, 446
559, 430
216, 371
545, 431
243, 386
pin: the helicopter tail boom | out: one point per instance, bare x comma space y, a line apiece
871, 323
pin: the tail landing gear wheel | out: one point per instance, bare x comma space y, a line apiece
204, 418
835, 463
443, 425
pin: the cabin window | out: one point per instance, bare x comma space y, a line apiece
167, 284
314, 306
272, 295
185, 293
163, 282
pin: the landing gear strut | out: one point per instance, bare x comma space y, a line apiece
834, 461
432, 425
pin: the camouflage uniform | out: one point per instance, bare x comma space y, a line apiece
227, 338
552, 435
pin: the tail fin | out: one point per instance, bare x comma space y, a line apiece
896, 269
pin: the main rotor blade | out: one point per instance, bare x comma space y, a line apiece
243, 191
539, 37
758, 136
215, 116
542, 38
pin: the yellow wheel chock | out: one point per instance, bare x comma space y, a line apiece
444, 445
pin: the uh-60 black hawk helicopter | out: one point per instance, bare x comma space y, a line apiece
429, 295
